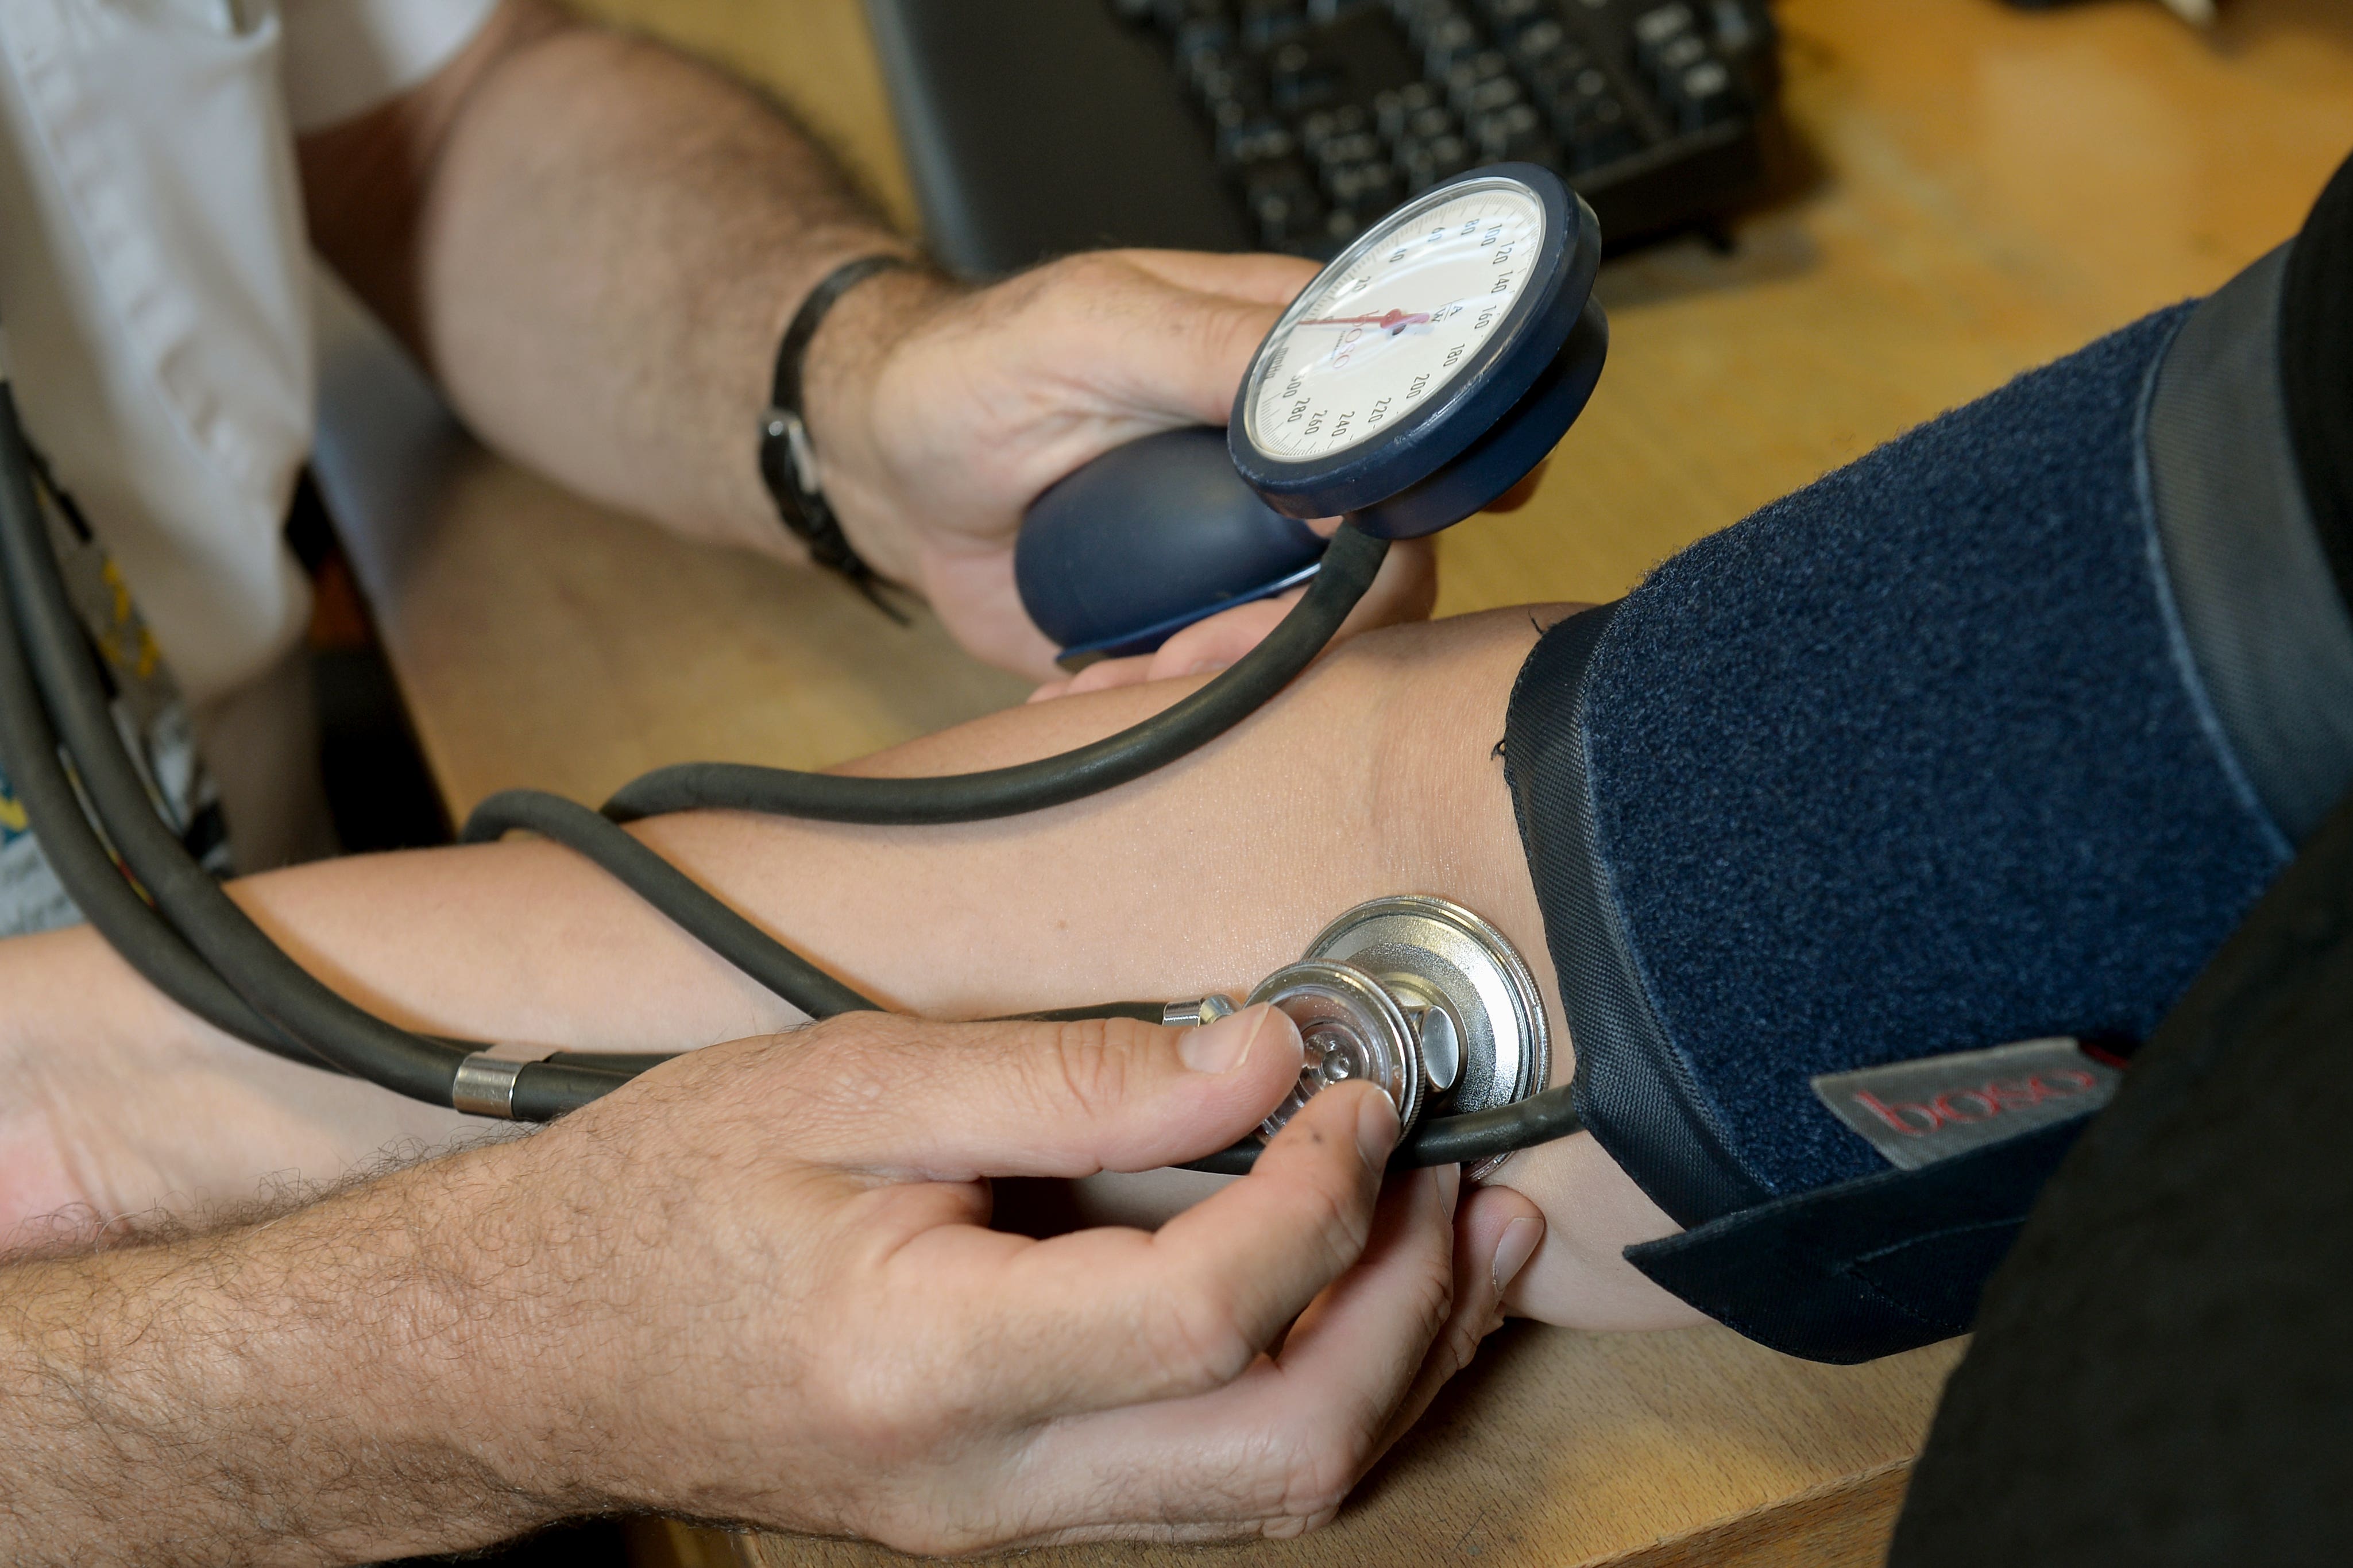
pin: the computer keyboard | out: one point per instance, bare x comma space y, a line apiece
1323, 114
1032, 128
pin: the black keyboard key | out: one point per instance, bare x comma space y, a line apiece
1661, 25
1254, 142
1285, 204
1266, 23
1340, 225
1491, 97
1596, 118
1677, 55
1218, 78
1300, 79
1539, 45
1575, 96
1172, 15
1419, 17
1447, 44
1204, 35
1427, 125
1422, 163
1471, 70
1738, 29
1365, 187
1341, 151
1602, 18
1555, 80
1701, 96
1397, 110
1508, 18
1512, 132
1327, 124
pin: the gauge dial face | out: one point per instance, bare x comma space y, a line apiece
1373, 340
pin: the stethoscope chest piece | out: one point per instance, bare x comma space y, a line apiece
1423, 997
1352, 1028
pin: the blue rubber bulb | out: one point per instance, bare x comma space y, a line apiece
1149, 538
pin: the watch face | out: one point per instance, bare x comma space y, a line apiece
1384, 332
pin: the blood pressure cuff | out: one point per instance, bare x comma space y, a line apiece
1870, 833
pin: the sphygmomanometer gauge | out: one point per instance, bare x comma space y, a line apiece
1422, 375
1434, 364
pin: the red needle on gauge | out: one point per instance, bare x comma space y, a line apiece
1394, 321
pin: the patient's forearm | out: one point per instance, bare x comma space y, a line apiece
1375, 774
113, 1097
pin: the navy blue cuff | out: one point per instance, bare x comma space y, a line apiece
1867, 1267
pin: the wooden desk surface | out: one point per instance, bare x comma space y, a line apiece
1980, 190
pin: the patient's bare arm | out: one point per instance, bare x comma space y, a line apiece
1374, 775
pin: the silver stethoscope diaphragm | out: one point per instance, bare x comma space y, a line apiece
1421, 996
1351, 1028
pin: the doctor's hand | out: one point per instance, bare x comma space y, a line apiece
790, 1310
758, 1285
939, 415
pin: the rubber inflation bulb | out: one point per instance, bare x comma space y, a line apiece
1149, 538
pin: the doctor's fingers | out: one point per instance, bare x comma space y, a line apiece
1024, 1332
1275, 1452
1496, 1231
909, 1098
1268, 278
1139, 342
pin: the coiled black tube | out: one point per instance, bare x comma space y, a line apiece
298, 1006
28, 750
1349, 566
672, 891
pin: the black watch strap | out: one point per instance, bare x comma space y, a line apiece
789, 461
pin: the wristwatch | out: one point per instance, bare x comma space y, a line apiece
789, 460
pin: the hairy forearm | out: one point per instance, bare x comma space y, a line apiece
294, 1390
595, 245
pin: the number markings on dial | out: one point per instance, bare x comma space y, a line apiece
1396, 328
